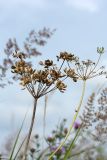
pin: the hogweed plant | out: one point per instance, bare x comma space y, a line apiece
84, 70
39, 82
50, 77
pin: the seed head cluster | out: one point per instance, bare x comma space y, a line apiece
71, 74
66, 56
42, 81
88, 69
38, 82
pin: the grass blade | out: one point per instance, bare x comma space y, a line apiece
17, 138
19, 148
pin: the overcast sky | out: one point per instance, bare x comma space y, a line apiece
80, 25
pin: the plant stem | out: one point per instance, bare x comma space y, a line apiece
31, 128
71, 145
74, 119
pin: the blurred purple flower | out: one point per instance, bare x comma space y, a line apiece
60, 151
77, 125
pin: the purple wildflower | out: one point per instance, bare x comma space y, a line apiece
76, 125
60, 151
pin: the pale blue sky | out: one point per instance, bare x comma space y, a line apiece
81, 27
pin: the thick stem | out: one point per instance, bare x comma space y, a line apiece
30, 129
72, 124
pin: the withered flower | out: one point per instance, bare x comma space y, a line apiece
61, 86
55, 74
66, 56
47, 63
83, 70
38, 82
88, 69
71, 73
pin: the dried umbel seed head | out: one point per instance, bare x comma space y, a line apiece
61, 86
82, 70
55, 74
39, 82
47, 63
71, 73
87, 69
66, 56
19, 67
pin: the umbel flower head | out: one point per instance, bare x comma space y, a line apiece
69, 58
83, 70
38, 82
66, 56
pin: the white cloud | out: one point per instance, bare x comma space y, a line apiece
86, 5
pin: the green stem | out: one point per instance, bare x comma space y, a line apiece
71, 145
74, 119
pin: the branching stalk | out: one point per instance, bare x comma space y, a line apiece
71, 145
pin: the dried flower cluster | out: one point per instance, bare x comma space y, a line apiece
88, 69
38, 82
82, 70
71, 74
65, 56
69, 58
49, 77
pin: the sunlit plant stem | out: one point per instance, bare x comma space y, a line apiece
74, 119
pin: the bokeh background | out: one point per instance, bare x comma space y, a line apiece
81, 26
